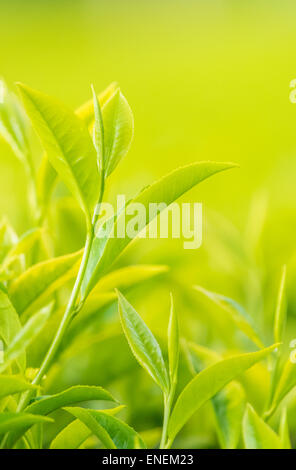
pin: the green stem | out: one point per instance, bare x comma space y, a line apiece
168, 400
70, 312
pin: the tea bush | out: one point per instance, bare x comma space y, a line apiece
68, 376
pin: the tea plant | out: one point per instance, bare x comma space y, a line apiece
41, 319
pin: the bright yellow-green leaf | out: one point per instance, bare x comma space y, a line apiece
73, 435
86, 111
173, 343
46, 180
48, 404
13, 126
24, 337
10, 324
47, 175
284, 432
123, 278
285, 384
36, 284
257, 434
18, 421
228, 404
24, 244
207, 383
237, 313
67, 143
280, 312
142, 343
98, 132
118, 130
11, 384
112, 432
169, 188
76, 394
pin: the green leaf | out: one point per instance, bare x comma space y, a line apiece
46, 180
24, 337
10, 421
13, 126
36, 284
11, 384
118, 130
209, 382
280, 311
284, 432
10, 324
72, 436
76, 394
126, 277
98, 133
286, 383
47, 175
67, 143
24, 244
173, 343
142, 343
86, 111
228, 404
257, 434
112, 432
48, 404
169, 188
237, 313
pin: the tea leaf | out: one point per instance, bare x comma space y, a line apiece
76, 394
13, 125
257, 434
11, 384
228, 404
86, 111
10, 421
237, 313
46, 180
173, 343
207, 383
113, 432
10, 324
142, 343
47, 175
280, 312
284, 430
68, 145
286, 383
98, 133
36, 284
123, 278
24, 244
24, 337
118, 130
167, 189
72, 436
48, 404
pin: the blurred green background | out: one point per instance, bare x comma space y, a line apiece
207, 80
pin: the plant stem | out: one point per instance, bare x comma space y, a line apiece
70, 312
168, 400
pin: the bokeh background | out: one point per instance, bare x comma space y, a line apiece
207, 80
